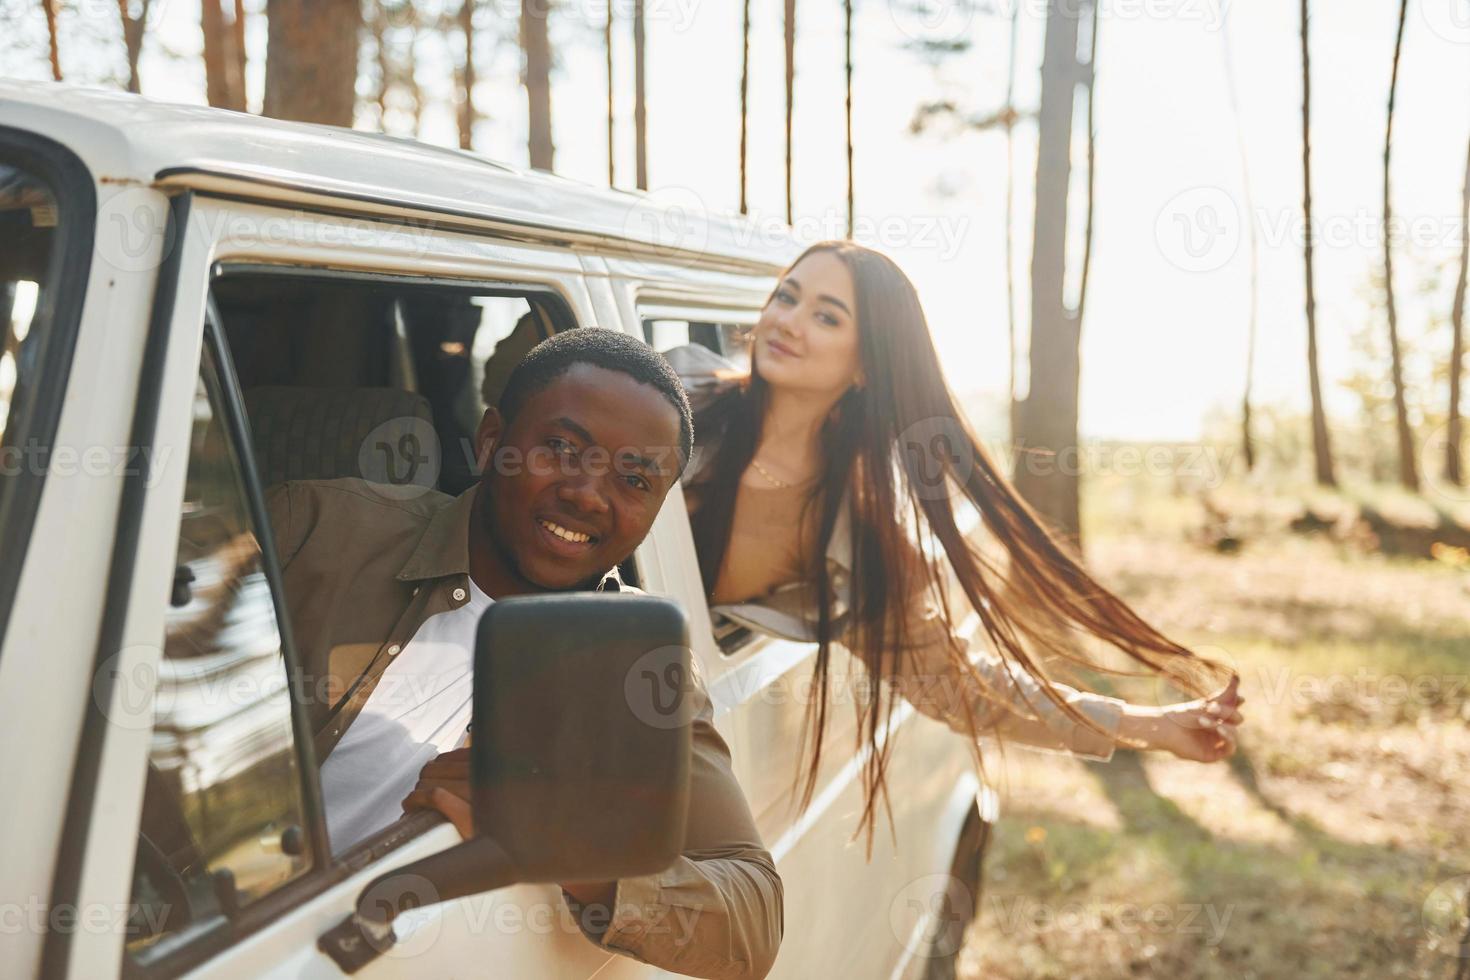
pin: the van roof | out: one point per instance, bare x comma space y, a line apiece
131, 140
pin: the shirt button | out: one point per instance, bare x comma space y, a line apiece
459, 595
393, 650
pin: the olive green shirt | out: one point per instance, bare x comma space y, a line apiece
365, 565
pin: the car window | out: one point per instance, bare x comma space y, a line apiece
730, 340
324, 361
223, 821
46, 213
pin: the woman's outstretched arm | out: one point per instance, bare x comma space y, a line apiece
1004, 700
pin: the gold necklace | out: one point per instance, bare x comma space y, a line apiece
779, 484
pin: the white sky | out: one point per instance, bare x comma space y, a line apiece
1165, 334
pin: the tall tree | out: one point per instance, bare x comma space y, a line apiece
607, 43
640, 96
1247, 442
49, 6
224, 85
536, 50
467, 115
1453, 465
744, 104
1321, 444
311, 60
133, 26
847, 39
1408, 472
1048, 460
790, 30
1009, 120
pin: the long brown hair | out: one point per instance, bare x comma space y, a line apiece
898, 451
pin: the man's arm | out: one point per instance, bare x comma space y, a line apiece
716, 912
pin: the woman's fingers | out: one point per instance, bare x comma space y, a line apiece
437, 798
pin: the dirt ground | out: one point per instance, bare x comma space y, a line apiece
1337, 841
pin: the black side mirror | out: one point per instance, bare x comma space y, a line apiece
579, 750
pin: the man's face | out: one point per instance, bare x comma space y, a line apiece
575, 480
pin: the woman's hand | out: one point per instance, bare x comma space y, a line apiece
1203, 730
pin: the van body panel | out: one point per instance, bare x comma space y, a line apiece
311, 198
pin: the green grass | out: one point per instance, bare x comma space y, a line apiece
1326, 846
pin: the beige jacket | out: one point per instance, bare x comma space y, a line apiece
1001, 699
364, 567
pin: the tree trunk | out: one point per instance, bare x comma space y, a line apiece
237, 36
1408, 472
50, 8
224, 86
1454, 472
1321, 444
536, 44
467, 114
744, 104
640, 96
790, 26
1012, 405
132, 30
1048, 462
1247, 443
1090, 81
311, 60
607, 43
847, 38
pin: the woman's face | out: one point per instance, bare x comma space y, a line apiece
807, 336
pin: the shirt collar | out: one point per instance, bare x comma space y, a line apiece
444, 548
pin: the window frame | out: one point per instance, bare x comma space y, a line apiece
71, 264
556, 289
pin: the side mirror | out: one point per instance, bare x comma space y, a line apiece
579, 750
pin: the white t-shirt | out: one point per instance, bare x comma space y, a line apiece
420, 708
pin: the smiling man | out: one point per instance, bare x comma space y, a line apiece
385, 595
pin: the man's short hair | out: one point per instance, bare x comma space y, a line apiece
606, 349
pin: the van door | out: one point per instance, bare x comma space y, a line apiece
203, 816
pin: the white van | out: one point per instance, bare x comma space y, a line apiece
200, 303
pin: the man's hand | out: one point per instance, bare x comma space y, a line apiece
444, 785
1203, 730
